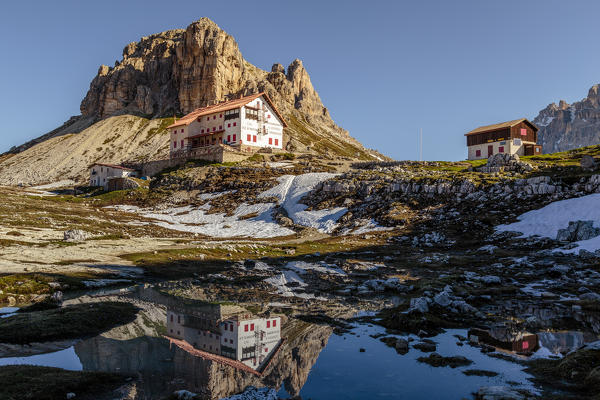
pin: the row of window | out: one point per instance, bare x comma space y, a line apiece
175, 144
215, 128
252, 138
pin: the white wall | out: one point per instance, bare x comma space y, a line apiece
99, 174
509, 148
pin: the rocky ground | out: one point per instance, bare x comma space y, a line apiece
417, 245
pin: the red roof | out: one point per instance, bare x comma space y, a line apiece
224, 106
114, 166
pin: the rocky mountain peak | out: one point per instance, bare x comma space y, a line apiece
568, 126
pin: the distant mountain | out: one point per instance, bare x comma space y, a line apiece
569, 126
166, 74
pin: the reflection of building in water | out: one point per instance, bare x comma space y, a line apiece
228, 331
503, 337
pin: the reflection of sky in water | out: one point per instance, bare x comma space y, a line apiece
7, 311
66, 359
342, 372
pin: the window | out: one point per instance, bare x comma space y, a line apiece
220, 127
477, 153
220, 115
254, 138
246, 328
214, 128
268, 116
175, 144
270, 142
208, 118
235, 124
251, 327
268, 324
501, 149
523, 132
182, 131
171, 317
266, 349
175, 131
276, 142
274, 323
182, 143
517, 142
214, 117
233, 138
537, 149
228, 138
202, 131
231, 341
229, 125
249, 138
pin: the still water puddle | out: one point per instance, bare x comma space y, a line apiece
178, 343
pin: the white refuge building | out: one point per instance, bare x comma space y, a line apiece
242, 125
240, 336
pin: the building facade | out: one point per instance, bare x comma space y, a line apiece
100, 174
245, 124
511, 137
242, 337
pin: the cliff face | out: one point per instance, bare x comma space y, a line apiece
569, 126
180, 70
173, 72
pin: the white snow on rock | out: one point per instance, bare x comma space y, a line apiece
292, 188
290, 191
281, 280
547, 220
302, 267
253, 393
196, 220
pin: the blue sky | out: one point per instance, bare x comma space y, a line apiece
385, 69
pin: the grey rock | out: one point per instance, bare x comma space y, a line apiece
75, 235
588, 163
578, 230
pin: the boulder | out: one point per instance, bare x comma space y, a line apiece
578, 230
588, 163
75, 235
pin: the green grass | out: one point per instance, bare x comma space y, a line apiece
70, 322
29, 382
23, 284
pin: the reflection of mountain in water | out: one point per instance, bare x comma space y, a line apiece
562, 342
162, 368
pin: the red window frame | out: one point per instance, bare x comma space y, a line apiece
501, 149
276, 142
268, 324
251, 327
181, 130
220, 127
220, 115
246, 328
181, 142
477, 153
270, 142
229, 125
208, 118
233, 138
228, 138
202, 131
214, 117
254, 138
274, 323
235, 124
249, 138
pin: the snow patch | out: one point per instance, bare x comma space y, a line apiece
547, 220
291, 190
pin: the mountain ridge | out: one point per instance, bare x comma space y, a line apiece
170, 74
568, 126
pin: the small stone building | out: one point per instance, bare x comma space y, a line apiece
512, 137
101, 174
